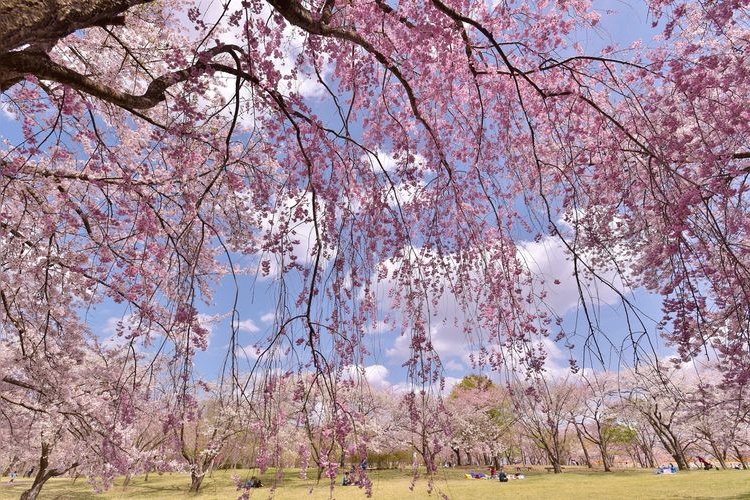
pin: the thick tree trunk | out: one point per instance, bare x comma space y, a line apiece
635, 456
679, 457
198, 472
554, 460
196, 479
606, 459
34, 491
43, 474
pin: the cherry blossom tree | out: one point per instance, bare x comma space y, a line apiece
544, 407
75, 411
200, 423
659, 396
596, 419
481, 418
717, 416
641, 443
333, 148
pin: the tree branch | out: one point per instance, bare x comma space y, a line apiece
14, 65
41, 23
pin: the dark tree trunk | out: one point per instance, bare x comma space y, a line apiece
196, 479
680, 459
720, 455
42, 23
43, 474
34, 491
606, 459
648, 457
583, 446
741, 459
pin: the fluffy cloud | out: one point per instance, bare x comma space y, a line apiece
268, 317
375, 375
249, 326
554, 273
6, 111
454, 365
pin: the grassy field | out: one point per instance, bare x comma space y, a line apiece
578, 484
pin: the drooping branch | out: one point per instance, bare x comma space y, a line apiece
296, 14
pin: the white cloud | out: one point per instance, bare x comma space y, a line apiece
554, 274
268, 317
290, 221
448, 341
400, 349
379, 327
207, 321
450, 382
381, 159
6, 111
454, 365
388, 163
248, 325
301, 80
251, 351
375, 375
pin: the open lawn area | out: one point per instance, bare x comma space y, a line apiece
579, 484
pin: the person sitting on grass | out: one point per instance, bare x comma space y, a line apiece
503, 477
253, 482
347, 479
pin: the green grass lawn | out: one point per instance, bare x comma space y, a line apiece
578, 484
